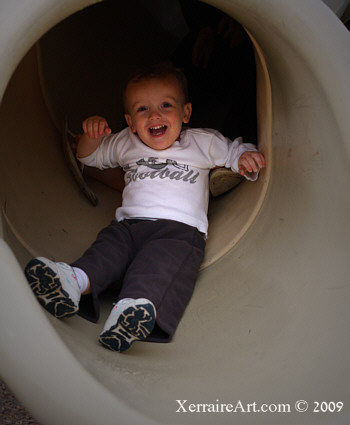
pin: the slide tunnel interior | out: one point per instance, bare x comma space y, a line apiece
268, 322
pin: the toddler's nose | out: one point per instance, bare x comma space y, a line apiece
154, 114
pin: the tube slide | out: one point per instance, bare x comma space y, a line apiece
268, 325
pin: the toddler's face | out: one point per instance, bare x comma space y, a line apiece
156, 110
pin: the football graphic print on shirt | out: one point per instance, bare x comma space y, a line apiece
159, 169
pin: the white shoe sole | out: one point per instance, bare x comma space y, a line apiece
46, 285
134, 323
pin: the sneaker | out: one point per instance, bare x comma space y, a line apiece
55, 286
130, 320
222, 180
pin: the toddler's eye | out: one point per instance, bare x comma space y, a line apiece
166, 105
141, 109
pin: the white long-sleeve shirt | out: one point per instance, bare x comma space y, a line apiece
172, 183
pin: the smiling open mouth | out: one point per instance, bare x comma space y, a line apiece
159, 130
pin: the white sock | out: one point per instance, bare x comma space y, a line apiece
82, 278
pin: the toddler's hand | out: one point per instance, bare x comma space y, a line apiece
96, 127
251, 162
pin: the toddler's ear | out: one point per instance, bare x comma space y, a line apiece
187, 112
130, 123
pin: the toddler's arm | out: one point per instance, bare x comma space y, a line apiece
95, 128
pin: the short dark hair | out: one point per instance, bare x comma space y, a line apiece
160, 70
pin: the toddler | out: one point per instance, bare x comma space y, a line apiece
156, 243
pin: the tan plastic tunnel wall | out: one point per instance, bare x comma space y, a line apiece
269, 320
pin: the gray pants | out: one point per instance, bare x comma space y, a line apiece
158, 260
